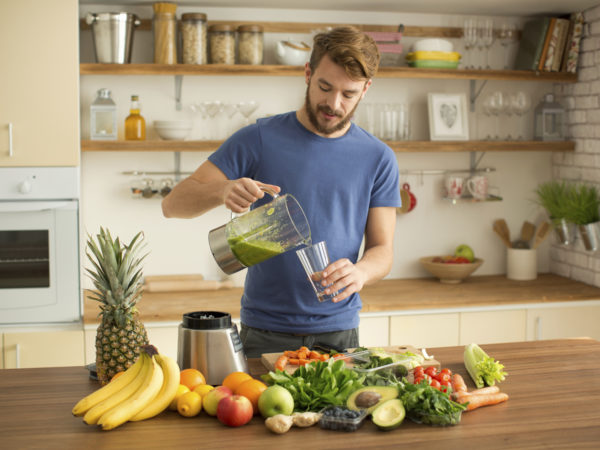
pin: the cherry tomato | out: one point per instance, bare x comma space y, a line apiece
418, 370
446, 383
431, 371
448, 371
443, 377
435, 384
418, 380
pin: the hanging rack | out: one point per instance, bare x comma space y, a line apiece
176, 172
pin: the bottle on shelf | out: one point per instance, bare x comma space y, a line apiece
135, 125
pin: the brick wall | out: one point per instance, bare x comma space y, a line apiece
582, 103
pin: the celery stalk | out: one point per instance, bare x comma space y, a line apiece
483, 369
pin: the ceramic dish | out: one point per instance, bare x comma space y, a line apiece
433, 44
427, 64
433, 56
448, 272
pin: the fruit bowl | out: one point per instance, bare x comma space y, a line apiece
448, 272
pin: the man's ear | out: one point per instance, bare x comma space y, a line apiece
366, 88
307, 72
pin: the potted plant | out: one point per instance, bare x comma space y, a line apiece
554, 197
583, 209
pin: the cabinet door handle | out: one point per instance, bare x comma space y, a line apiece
10, 140
18, 356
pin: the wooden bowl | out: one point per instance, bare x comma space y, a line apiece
450, 273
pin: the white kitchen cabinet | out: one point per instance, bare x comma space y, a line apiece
39, 117
563, 322
487, 327
374, 331
44, 349
425, 330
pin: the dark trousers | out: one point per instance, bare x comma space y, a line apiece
257, 341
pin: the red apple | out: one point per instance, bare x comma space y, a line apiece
235, 410
212, 398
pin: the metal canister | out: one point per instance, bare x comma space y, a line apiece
112, 34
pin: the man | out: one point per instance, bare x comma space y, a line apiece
346, 182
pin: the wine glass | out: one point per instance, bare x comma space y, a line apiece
507, 35
213, 108
247, 108
230, 110
520, 103
486, 39
470, 38
200, 108
496, 104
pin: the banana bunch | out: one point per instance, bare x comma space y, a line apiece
142, 392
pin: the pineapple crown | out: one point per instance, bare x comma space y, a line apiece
117, 275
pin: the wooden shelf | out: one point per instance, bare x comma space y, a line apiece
397, 146
280, 70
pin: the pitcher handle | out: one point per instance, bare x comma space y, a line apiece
266, 190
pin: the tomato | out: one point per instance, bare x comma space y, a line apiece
431, 371
418, 370
448, 371
435, 384
443, 377
418, 380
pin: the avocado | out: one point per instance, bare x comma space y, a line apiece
370, 397
389, 414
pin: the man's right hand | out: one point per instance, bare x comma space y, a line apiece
239, 194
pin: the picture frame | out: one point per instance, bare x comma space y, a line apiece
448, 117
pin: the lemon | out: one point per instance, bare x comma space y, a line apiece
181, 389
189, 404
202, 389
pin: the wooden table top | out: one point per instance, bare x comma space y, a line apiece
384, 296
554, 403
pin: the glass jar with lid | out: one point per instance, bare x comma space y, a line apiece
250, 44
165, 28
103, 117
221, 38
193, 36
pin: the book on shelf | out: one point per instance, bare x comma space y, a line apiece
563, 25
571, 54
549, 36
532, 42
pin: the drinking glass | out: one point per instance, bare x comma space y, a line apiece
480, 43
494, 105
213, 108
247, 108
507, 35
230, 110
315, 259
486, 38
200, 109
520, 104
470, 38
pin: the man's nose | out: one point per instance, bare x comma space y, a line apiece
334, 101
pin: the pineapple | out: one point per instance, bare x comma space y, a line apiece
117, 278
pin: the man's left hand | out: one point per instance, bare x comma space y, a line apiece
344, 275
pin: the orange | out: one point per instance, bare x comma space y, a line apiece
181, 389
251, 389
191, 378
189, 404
117, 375
202, 389
234, 379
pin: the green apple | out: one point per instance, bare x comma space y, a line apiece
465, 251
275, 400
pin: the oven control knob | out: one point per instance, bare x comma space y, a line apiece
25, 187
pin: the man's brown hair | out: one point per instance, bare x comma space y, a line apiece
350, 48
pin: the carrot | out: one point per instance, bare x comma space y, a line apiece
314, 355
291, 353
486, 390
303, 362
458, 383
294, 361
281, 362
302, 354
304, 349
324, 357
477, 400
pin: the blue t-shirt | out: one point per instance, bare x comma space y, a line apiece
336, 181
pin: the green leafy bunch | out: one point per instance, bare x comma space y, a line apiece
553, 197
584, 205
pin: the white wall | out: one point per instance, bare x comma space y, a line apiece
434, 227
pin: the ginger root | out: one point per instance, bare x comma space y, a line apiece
306, 419
279, 423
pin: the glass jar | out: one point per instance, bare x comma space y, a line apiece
221, 40
250, 44
193, 34
165, 29
549, 121
103, 117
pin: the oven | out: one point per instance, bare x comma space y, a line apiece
39, 245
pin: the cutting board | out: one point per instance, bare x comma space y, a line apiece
269, 359
173, 283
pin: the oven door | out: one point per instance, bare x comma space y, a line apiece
39, 262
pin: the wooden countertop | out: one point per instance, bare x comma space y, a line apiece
386, 295
553, 404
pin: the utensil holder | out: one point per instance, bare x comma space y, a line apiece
521, 264
589, 236
565, 231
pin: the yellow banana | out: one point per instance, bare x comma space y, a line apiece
94, 413
167, 391
107, 390
138, 401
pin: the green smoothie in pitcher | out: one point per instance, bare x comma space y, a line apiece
253, 251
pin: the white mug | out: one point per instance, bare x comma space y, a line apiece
478, 186
454, 187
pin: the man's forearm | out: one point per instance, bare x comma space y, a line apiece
191, 198
376, 263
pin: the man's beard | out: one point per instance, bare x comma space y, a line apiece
312, 116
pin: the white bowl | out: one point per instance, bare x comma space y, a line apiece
433, 45
173, 129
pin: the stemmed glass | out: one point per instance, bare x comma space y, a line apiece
470, 38
247, 108
480, 42
213, 108
200, 108
494, 105
486, 39
520, 103
230, 110
507, 35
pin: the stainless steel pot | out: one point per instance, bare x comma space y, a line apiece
112, 34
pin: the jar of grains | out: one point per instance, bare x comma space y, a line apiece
193, 34
250, 44
221, 39
165, 28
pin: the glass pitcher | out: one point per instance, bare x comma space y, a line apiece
260, 234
